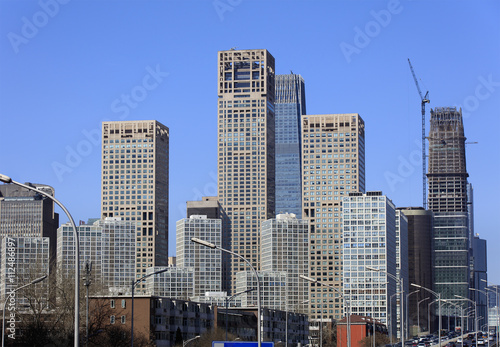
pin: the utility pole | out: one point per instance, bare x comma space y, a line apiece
88, 270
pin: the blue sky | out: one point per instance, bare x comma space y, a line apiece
66, 66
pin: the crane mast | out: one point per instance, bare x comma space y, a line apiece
425, 100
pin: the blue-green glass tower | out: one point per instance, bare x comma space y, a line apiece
290, 105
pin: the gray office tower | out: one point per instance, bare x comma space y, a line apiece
289, 106
447, 198
246, 148
26, 213
420, 222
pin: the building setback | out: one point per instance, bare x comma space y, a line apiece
333, 164
290, 105
246, 148
134, 185
447, 198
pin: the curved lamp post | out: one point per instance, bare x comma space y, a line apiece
347, 304
408, 311
429, 315
400, 281
487, 309
461, 318
213, 246
390, 317
229, 299
438, 296
134, 283
418, 313
475, 312
7, 299
7, 179
497, 306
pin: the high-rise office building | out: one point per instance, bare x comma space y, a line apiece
289, 106
246, 148
26, 213
284, 247
333, 164
447, 198
24, 259
135, 185
420, 224
110, 245
369, 239
206, 262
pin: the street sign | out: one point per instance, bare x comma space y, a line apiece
240, 344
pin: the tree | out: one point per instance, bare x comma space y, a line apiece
214, 334
178, 337
380, 340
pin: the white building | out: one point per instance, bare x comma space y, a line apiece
272, 289
205, 262
111, 247
284, 248
24, 259
370, 240
175, 283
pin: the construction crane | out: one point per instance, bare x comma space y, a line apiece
425, 100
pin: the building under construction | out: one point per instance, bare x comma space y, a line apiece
447, 198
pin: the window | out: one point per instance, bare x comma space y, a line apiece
112, 319
123, 319
112, 303
124, 303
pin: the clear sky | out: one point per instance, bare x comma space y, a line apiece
65, 66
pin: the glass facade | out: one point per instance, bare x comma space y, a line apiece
447, 198
290, 105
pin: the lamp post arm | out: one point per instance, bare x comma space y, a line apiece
7, 179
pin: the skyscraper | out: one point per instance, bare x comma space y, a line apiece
26, 213
246, 148
290, 105
370, 239
333, 164
284, 248
135, 185
447, 198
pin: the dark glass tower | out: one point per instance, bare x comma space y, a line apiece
290, 105
447, 177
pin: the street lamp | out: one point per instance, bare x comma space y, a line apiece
134, 283
429, 316
408, 310
497, 306
438, 295
461, 318
487, 309
400, 281
7, 299
7, 179
213, 246
390, 317
346, 302
184, 344
475, 312
227, 302
88, 270
418, 313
